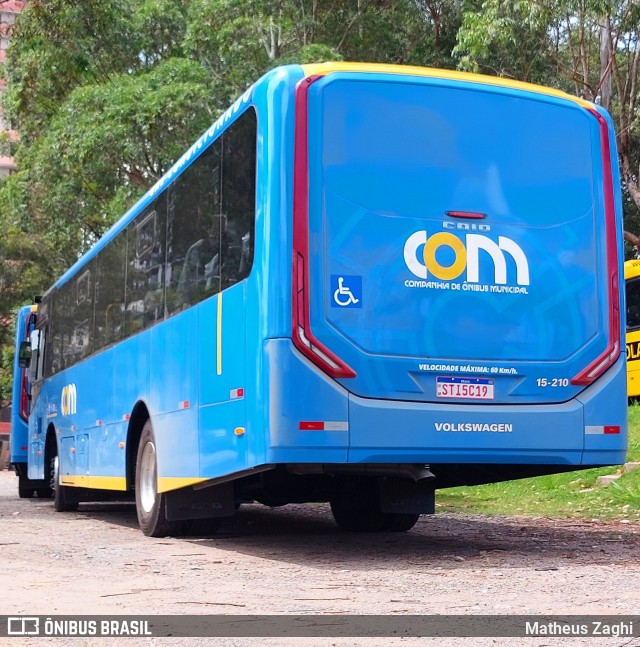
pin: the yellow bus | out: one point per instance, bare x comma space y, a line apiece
632, 281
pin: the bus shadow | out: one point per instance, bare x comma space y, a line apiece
307, 535
119, 513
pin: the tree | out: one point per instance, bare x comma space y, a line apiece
237, 45
590, 48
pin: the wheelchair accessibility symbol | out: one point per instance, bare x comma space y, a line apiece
346, 291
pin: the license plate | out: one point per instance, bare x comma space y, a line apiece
466, 388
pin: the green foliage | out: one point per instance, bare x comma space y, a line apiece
238, 45
107, 144
573, 494
59, 45
506, 38
160, 26
6, 363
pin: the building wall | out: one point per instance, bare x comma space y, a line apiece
9, 10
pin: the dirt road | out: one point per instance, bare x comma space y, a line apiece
293, 560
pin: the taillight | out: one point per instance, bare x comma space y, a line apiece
611, 353
24, 396
24, 381
302, 335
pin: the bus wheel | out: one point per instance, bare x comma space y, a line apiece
24, 491
63, 499
400, 521
150, 504
358, 509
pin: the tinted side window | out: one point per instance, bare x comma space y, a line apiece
82, 336
109, 292
65, 325
193, 250
145, 269
42, 323
633, 304
238, 199
211, 218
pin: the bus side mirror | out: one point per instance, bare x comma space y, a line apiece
24, 354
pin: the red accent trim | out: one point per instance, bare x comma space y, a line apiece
607, 358
24, 396
474, 215
312, 426
300, 276
611, 429
24, 379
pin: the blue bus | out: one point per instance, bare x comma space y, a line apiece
361, 284
20, 405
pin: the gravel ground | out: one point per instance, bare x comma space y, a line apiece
293, 560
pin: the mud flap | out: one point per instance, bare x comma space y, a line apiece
206, 503
404, 496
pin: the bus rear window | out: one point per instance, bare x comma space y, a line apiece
420, 150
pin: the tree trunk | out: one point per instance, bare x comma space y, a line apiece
605, 63
633, 239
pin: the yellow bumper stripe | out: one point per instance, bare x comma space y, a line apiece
95, 482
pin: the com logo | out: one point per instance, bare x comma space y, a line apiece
423, 260
69, 400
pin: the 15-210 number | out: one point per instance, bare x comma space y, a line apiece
552, 382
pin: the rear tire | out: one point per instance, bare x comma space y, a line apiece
25, 492
27, 487
357, 509
400, 521
150, 504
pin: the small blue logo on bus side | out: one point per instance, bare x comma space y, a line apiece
346, 291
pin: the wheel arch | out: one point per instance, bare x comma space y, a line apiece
139, 416
51, 448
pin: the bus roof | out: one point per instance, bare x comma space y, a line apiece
453, 75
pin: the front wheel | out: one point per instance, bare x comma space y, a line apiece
150, 504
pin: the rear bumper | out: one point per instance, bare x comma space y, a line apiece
313, 419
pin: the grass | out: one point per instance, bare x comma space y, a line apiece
570, 495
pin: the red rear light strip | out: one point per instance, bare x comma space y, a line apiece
24, 395
303, 338
24, 378
611, 353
